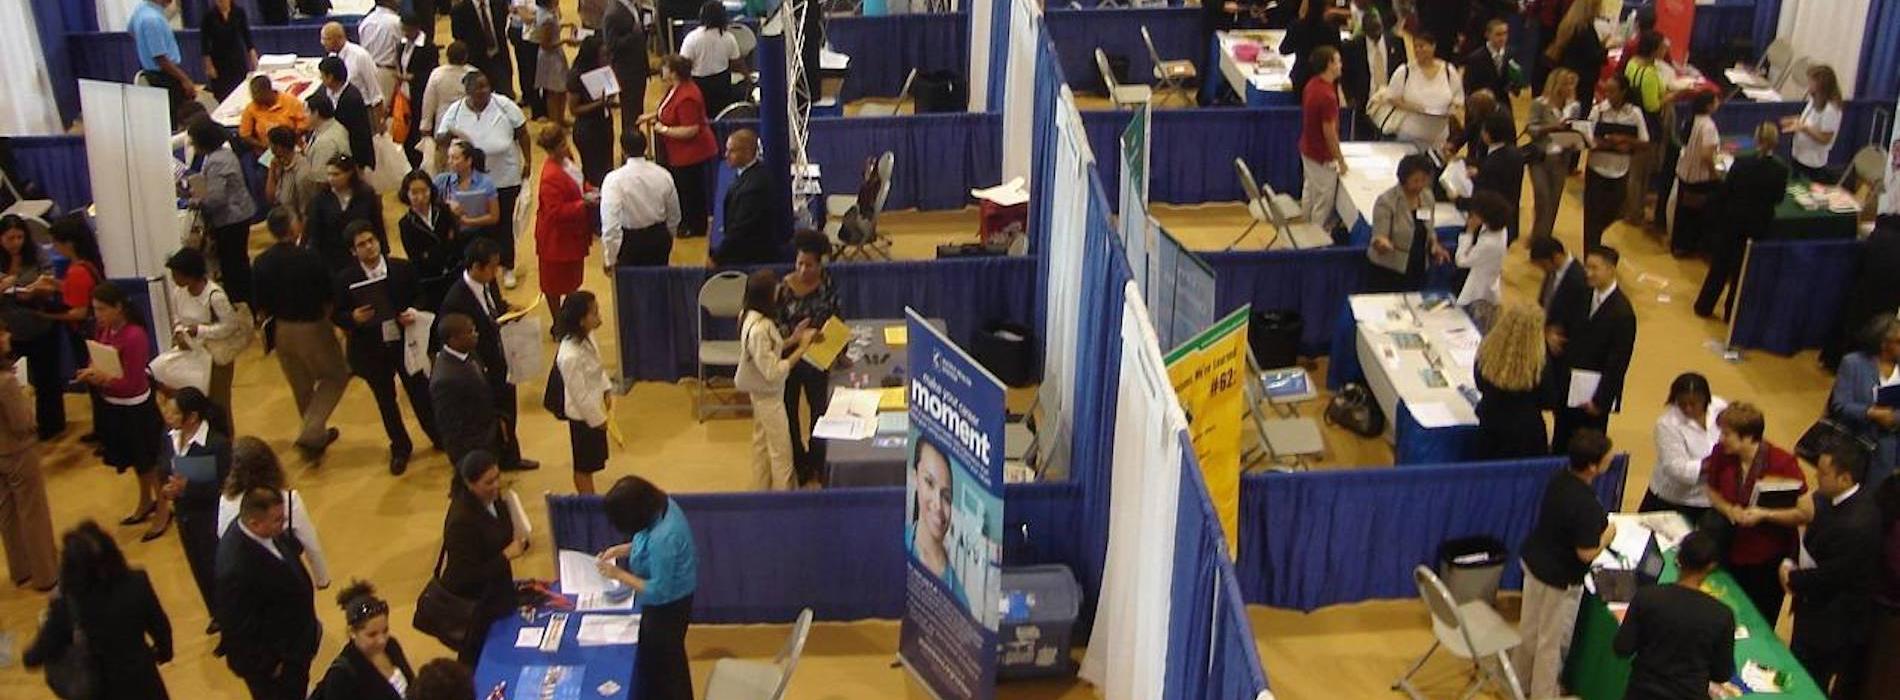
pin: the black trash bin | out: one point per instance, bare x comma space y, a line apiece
1471, 567
1274, 337
940, 91
1006, 349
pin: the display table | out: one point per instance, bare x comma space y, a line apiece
1417, 357
299, 81
1595, 672
503, 662
870, 362
1372, 167
1793, 221
1265, 81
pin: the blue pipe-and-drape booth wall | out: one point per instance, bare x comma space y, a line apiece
1098, 350
657, 306
938, 158
1313, 539
1211, 650
54, 21
884, 49
1177, 34
1314, 283
1791, 294
1880, 54
58, 165
111, 55
1192, 157
765, 556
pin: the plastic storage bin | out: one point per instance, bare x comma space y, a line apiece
1039, 605
1471, 567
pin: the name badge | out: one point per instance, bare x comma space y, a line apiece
390, 332
1424, 216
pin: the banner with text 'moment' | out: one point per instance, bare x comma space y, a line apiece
953, 524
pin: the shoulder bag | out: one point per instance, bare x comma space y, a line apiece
555, 398
440, 612
1383, 113
225, 350
75, 674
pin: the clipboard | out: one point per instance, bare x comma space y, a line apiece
374, 294
104, 359
824, 353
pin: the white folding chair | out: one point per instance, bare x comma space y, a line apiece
1172, 76
881, 107
738, 111
1265, 206
1793, 83
1121, 95
1285, 441
1473, 631
1298, 234
1775, 59
739, 679
34, 210
874, 243
721, 297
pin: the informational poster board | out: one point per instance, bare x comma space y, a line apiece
1208, 372
1136, 229
1180, 290
953, 524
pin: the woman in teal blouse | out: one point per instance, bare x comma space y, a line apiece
662, 566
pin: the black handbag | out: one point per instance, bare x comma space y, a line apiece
555, 398
74, 675
1826, 433
440, 612
1354, 409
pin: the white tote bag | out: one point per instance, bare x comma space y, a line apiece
521, 344
183, 366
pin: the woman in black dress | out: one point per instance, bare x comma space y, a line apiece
593, 117
126, 631
807, 296
1509, 367
1579, 47
347, 199
371, 666
229, 53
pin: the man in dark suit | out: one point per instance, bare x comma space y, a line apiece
351, 111
623, 45
1491, 66
1563, 276
464, 405
265, 601
1369, 59
1501, 169
477, 296
751, 223
414, 62
375, 332
1834, 593
1597, 335
482, 25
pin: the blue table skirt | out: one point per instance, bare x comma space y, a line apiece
501, 661
1412, 443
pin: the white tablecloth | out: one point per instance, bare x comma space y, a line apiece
1450, 348
1272, 72
299, 81
1372, 167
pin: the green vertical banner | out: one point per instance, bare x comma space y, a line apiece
1136, 231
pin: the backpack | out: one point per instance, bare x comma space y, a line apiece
1354, 409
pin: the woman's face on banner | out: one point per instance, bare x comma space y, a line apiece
933, 492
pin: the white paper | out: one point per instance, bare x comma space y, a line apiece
845, 427
1631, 539
104, 359
853, 403
579, 576
1583, 387
1457, 182
275, 61
1008, 194
516, 513
415, 344
529, 637
600, 82
1366, 308
602, 602
1432, 414
609, 630
521, 343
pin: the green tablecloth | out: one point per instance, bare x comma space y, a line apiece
1792, 221
1594, 672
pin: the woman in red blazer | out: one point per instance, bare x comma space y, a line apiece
564, 222
685, 139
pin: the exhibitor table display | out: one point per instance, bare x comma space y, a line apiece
293, 76
1372, 167
579, 643
1812, 211
1254, 67
1594, 671
1417, 352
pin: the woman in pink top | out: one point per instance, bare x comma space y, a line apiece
128, 422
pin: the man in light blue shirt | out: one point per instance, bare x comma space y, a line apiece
158, 52
663, 567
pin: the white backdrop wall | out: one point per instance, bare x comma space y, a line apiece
1827, 31
26, 93
1068, 232
129, 160
1019, 89
981, 22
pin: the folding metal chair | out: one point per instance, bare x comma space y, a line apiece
1172, 76
881, 107
1473, 631
872, 243
739, 679
1121, 95
721, 297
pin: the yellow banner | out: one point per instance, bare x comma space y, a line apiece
1207, 373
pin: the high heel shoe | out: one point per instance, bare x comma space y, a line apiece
156, 533
140, 515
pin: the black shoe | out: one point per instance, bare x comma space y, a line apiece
525, 465
213, 628
398, 463
90, 438
313, 453
155, 534
140, 515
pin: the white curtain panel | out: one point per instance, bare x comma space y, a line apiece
1128, 650
26, 93
1068, 233
1890, 199
982, 27
1019, 89
1827, 31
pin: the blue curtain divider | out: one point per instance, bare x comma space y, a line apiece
1314, 539
764, 556
53, 21
884, 49
939, 158
657, 306
1105, 273
1858, 118
1716, 24
1314, 283
1880, 55
1792, 293
1207, 653
58, 165
1177, 33
112, 56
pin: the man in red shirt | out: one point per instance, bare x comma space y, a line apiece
1320, 160
1759, 537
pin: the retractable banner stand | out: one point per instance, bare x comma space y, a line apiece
1207, 372
1135, 227
953, 518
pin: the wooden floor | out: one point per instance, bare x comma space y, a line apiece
385, 529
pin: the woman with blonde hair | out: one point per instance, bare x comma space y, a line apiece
1510, 370
1552, 160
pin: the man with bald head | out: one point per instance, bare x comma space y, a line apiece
361, 69
751, 222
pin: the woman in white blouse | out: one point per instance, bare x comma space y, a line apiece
765, 358
712, 49
587, 391
253, 466
1814, 130
1685, 435
1427, 92
1481, 250
203, 316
